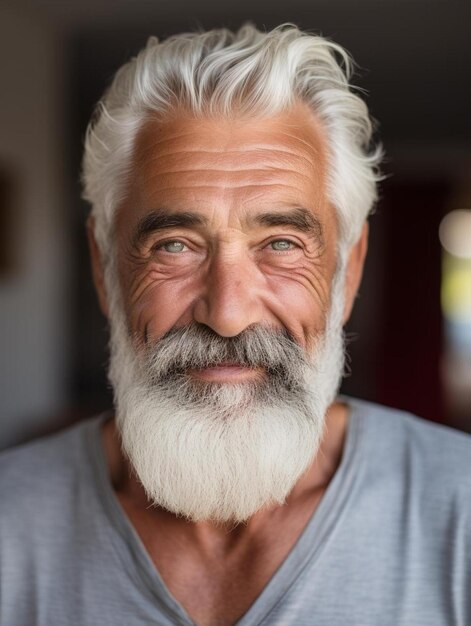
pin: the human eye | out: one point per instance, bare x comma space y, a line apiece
173, 247
282, 245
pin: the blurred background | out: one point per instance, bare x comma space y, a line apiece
410, 335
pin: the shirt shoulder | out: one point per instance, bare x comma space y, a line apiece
35, 475
434, 458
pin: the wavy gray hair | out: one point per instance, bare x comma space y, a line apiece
243, 73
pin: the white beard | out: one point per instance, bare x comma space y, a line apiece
233, 451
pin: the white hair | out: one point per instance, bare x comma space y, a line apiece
219, 72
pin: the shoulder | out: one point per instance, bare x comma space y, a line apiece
429, 454
46, 502
34, 474
394, 426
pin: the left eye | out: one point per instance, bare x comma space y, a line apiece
282, 244
173, 246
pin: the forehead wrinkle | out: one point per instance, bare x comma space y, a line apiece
269, 145
248, 164
221, 134
224, 170
227, 161
230, 187
216, 151
226, 178
269, 157
219, 170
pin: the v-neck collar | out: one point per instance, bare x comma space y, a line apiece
306, 550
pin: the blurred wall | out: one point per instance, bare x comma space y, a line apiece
33, 283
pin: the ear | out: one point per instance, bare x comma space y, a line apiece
354, 271
97, 266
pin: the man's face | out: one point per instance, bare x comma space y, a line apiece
226, 335
227, 224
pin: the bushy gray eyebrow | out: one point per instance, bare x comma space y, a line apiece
300, 218
161, 219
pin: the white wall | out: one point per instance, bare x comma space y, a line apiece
33, 295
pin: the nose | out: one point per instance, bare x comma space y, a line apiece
229, 302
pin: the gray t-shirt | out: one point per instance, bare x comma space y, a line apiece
389, 544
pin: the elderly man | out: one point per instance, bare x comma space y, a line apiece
230, 177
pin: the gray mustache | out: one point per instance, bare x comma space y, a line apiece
196, 346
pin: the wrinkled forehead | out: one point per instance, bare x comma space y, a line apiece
183, 161
295, 134
297, 125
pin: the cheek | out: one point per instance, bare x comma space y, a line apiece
300, 298
159, 299
299, 291
304, 282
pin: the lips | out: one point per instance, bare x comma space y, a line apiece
226, 371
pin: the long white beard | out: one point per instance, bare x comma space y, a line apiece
226, 452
